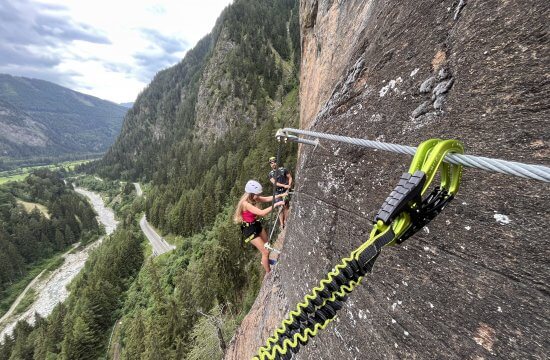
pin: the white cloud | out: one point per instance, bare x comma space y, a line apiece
107, 48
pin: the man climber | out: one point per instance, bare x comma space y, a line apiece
282, 180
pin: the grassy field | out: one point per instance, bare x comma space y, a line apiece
29, 206
18, 177
21, 173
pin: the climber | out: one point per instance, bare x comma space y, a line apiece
247, 213
282, 180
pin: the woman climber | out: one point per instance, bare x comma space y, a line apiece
247, 213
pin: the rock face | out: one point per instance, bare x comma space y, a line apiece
264, 316
474, 283
217, 107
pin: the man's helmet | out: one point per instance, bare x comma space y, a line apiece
273, 159
253, 187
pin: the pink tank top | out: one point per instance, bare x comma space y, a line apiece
248, 217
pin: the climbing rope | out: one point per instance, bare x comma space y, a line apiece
402, 214
538, 172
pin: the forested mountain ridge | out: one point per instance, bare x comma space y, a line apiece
198, 132
236, 75
40, 118
193, 127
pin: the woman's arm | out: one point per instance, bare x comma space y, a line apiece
260, 212
270, 198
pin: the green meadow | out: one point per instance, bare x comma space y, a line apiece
22, 172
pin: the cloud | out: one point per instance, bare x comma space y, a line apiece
149, 63
163, 51
168, 44
18, 55
55, 28
112, 48
26, 23
67, 79
34, 39
118, 67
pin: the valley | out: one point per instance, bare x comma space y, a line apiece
52, 288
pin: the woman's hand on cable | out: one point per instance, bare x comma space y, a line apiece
279, 203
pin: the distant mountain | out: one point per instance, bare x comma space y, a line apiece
127, 104
39, 118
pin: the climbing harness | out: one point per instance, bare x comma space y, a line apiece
405, 211
250, 230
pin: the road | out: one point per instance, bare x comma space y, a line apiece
160, 246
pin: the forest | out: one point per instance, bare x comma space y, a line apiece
195, 184
79, 328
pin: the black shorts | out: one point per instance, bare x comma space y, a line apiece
251, 230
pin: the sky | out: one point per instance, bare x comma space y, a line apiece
110, 49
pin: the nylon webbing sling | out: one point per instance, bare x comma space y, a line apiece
405, 211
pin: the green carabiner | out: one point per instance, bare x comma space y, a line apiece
450, 174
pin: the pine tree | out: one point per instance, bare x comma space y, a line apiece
83, 342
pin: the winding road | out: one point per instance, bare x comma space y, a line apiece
160, 246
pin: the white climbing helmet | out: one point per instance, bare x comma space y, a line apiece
253, 187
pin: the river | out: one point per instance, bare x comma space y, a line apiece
52, 289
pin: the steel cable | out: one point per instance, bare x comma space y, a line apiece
537, 172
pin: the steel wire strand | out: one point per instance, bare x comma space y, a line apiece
537, 172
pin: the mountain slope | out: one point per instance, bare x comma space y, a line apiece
39, 118
236, 75
197, 133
